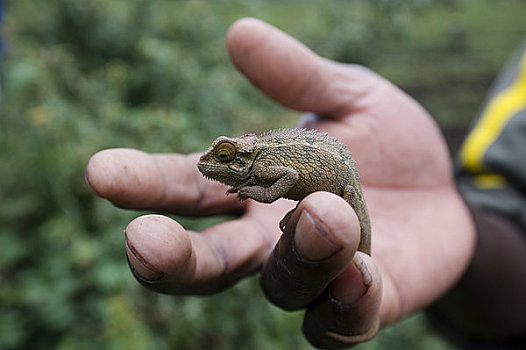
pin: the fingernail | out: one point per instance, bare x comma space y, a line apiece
140, 268
87, 178
311, 241
358, 262
352, 283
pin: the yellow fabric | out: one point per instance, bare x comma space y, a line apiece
489, 181
499, 110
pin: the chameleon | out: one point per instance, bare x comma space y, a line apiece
292, 163
288, 163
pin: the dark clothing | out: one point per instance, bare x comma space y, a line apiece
491, 177
492, 160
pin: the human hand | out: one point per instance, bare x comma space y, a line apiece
422, 236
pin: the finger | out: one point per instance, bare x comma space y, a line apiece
318, 244
171, 182
290, 73
341, 317
167, 258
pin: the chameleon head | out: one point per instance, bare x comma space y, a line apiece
228, 160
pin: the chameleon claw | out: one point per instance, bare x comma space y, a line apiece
231, 190
285, 220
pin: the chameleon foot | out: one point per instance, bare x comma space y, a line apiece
285, 220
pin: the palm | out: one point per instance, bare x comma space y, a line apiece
415, 211
421, 232
406, 172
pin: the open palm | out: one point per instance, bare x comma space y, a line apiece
422, 234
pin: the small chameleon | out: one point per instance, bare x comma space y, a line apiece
290, 163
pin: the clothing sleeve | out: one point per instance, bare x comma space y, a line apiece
491, 177
491, 165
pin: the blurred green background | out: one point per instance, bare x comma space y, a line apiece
80, 76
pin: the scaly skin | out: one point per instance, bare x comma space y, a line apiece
289, 163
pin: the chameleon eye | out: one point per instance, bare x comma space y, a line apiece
225, 151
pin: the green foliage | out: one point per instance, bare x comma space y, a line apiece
80, 76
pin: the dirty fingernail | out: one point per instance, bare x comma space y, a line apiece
360, 264
140, 267
352, 283
311, 241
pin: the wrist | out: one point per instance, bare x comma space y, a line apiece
487, 304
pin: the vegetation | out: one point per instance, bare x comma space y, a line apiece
80, 76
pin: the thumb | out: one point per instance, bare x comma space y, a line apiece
290, 73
